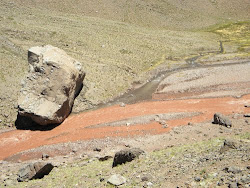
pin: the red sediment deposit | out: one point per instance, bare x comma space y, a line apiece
78, 127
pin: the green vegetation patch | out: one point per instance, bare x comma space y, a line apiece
237, 33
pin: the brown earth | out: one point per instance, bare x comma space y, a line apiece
78, 127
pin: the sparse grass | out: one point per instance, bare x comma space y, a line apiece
114, 53
157, 163
235, 34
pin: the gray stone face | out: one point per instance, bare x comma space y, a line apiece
126, 155
222, 120
34, 171
48, 92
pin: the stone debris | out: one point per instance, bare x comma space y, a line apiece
122, 104
117, 180
222, 120
35, 170
126, 155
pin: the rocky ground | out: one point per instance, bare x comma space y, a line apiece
183, 148
195, 155
198, 62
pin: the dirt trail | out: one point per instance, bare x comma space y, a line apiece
78, 127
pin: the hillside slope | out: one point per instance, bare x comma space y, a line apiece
118, 42
181, 14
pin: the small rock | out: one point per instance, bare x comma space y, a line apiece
105, 158
0, 121
189, 123
165, 126
233, 185
101, 179
8, 183
122, 104
246, 115
232, 169
117, 180
245, 179
45, 156
228, 144
126, 155
35, 170
247, 106
197, 179
149, 184
97, 149
236, 116
162, 122
144, 178
222, 120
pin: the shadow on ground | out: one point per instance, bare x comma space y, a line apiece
26, 123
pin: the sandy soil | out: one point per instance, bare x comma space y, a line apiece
231, 80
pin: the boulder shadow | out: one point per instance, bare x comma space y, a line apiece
26, 123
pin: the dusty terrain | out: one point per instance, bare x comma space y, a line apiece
120, 44
183, 147
157, 71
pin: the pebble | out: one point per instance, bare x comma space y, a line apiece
149, 184
117, 180
144, 178
122, 104
233, 185
45, 156
197, 179
97, 149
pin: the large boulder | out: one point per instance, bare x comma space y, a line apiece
48, 92
35, 170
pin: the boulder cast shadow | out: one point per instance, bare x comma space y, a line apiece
26, 123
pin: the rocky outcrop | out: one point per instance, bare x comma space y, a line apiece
35, 170
48, 92
126, 155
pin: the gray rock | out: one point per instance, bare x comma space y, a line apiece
245, 179
222, 120
144, 178
246, 115
35, 170
149, 184
126, 155
233, 169
122, 104
197, 179
97, 149
45, 156
48, 92
228, 144
105, 158
117, 180
233, 185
